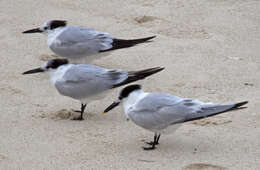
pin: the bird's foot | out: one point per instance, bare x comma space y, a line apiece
149, 148
152, 143
78, 118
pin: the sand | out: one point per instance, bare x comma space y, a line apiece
210, 49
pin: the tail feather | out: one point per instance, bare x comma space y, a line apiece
138, 75
214, 110
120, 43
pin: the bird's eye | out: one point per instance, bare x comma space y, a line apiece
45, 28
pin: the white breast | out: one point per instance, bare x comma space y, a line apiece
133, 99
57, 74
52, 36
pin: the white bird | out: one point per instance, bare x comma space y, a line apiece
77, 43
85, 82
159, 112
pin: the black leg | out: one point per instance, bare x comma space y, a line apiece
153, 143
155, 140
83, 106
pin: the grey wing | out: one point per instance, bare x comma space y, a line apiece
157, 111
83, 80
82, 42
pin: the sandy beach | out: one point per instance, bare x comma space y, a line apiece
210, 49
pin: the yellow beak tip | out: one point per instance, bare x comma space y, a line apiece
103, 113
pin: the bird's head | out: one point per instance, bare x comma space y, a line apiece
47, 27
48, 66
123, 95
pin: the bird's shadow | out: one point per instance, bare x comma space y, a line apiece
64, 114
167, 145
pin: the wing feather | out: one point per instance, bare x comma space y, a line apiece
83, 80
81, 41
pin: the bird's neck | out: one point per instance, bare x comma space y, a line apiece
132, 99
57, 74
53, 34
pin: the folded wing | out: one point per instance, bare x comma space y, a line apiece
79, 41
157, 111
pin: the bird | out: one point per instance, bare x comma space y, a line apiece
86, 82
81, 43
163, 113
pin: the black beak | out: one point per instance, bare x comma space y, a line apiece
112, 106
35, 30
37, 70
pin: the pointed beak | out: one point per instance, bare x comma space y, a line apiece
35, 30
37, 70
112, 106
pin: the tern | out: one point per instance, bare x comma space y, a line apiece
76, 43
159, 112
85, 82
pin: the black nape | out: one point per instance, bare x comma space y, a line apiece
55, 63
127, 90
57, 23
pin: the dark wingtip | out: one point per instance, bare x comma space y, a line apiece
139, 75
142, 40
237, 105
149, 38
123, 43
154, 70
160, 68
